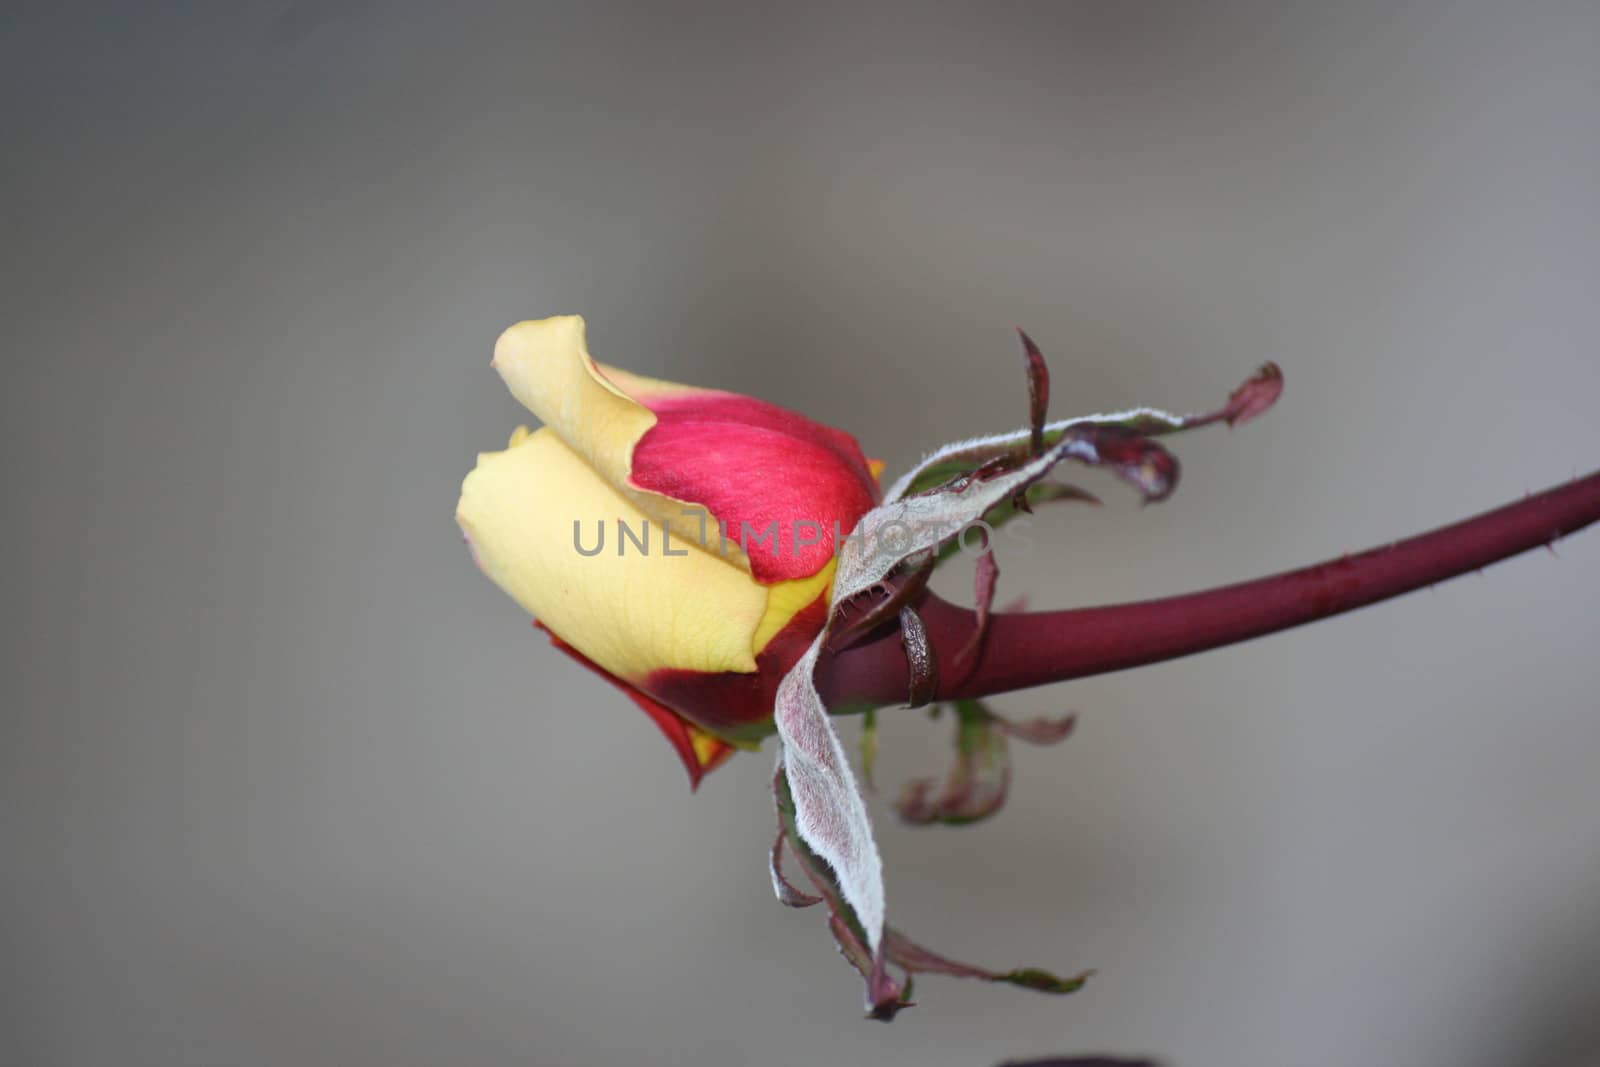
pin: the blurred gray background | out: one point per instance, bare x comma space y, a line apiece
284, 780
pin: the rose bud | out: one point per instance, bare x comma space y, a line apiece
678, 541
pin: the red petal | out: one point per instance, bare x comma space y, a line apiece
730, 702
678, 733
672, 725
753, 465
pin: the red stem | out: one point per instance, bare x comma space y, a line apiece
1035, 648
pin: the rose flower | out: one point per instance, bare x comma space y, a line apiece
678, 541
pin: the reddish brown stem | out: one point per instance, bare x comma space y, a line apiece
1028, 649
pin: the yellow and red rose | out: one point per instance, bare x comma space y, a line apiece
743, 500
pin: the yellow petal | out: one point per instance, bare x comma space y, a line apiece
787, 599
546, 365
629, 613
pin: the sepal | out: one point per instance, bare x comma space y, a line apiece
700, 751
886, 996
979, 778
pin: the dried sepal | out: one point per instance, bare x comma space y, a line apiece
829, 816
916, 959
886, 996
1250, 399
978, 780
